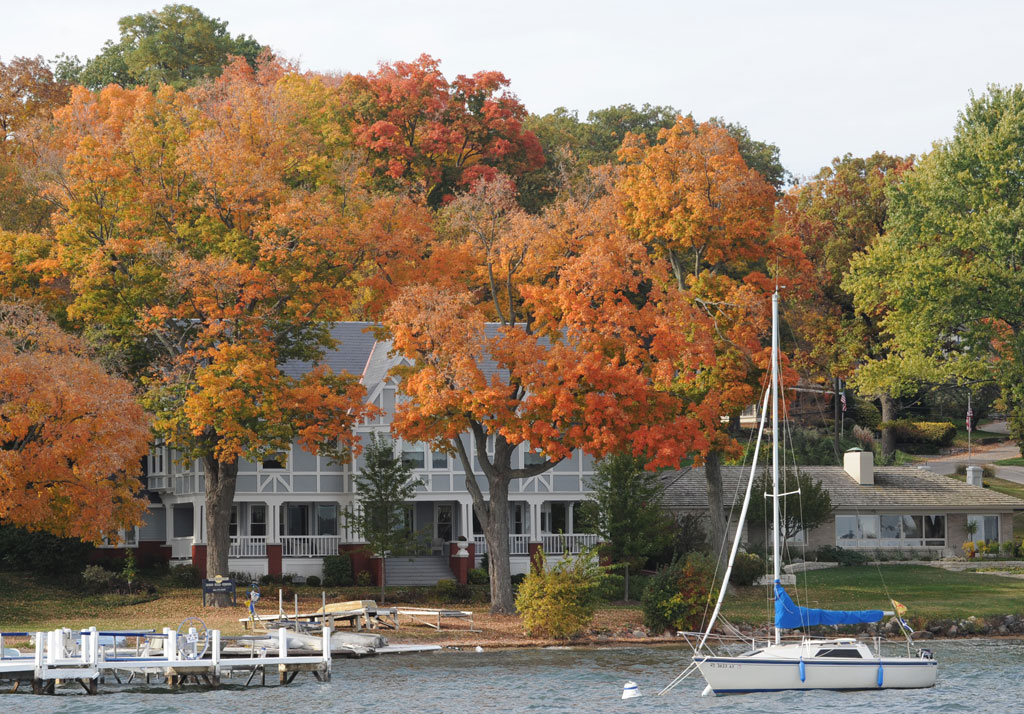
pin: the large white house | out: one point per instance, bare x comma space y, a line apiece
289, 508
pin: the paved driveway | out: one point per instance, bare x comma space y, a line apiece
983, 455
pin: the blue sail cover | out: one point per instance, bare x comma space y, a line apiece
789, 615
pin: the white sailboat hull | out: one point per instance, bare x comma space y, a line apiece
735, 675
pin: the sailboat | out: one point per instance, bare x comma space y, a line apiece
841, 663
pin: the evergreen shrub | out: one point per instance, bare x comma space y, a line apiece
338, 571
933, 433
843, 556
746, 569
676, 596
445, 590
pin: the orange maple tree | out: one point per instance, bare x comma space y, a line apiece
435, 136
208, 237
691, 199
72, 437
550, 344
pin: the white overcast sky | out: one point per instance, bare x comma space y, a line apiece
818, 78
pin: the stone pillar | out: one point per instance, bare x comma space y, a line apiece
274, 568
199, 558
460, 560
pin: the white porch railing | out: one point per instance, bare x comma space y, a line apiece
180, 548
552, 544
572, 543
248, 547
519, 545
310, 546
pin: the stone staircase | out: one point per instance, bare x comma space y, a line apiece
418, 570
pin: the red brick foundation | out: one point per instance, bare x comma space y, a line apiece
199, 559
460, 566
534, 550
274, 560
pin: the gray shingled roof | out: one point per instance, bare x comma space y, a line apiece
355, 342
895, 488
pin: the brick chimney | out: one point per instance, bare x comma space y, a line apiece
860, 465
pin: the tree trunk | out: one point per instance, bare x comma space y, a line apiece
220, 496
496, 534
383, 575
888, 435
716, 508
626, 594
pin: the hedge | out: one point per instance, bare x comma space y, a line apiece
936, 433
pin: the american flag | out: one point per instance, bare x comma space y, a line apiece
970, 417
842, 400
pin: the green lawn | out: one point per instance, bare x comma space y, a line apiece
1018, 461
929, 593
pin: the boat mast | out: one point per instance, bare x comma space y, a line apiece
775, 444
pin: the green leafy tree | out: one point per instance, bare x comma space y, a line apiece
806, 505
385, 486
629, 516
835, 216
947, 278
177, 45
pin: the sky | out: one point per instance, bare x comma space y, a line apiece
817, 78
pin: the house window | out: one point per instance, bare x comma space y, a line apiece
531, 458
297, 519
258, 520
327, 519
443, 521
935, 530
438, 460
890, 530
158, 460
857, 531
414, 455
276, 461
183, 524
987, 528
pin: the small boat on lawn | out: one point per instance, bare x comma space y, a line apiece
841, 663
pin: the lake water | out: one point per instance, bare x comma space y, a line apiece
974, 676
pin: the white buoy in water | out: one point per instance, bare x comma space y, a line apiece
630, 690
479, 648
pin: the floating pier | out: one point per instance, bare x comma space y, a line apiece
174, 656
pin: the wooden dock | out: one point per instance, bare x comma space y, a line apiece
176, 658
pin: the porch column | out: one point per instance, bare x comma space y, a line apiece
274, 549
570, 510
535, 543
197, 524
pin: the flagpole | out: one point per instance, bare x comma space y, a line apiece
970, 413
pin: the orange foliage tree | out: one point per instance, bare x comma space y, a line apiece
29, 93
72, 437
695, 204
433, 136
208, 237
550, 343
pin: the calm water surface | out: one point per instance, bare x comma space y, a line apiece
974, 676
